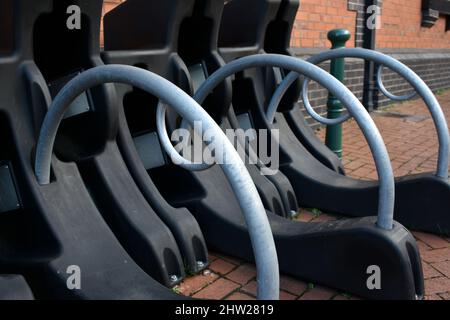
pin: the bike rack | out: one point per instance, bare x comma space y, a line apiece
66, 226
233, 44
430, 190
344, 248
345, 196
382, 162
135, 119
386, 201
65, 198
59, 225
239, 178
88, 139
383, 60
200, 27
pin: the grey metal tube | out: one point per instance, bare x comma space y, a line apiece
365, 122
410, 76
311, 111
167, 145
386, 91
239, 178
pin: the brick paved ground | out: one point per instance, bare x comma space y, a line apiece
409, 134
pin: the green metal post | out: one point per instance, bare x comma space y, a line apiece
333, 140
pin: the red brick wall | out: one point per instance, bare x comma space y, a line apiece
400, 27
316, 17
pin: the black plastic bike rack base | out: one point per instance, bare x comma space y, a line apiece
89, 138
308, 138
334, 254
200, 22
128, 215
14, 287
156, 52
422, 201
309, 251
59, 227
347, 250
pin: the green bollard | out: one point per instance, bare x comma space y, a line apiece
333, 140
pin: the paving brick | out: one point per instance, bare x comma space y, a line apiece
445, 296
443, 267
372, 176
212, 257
422, 246
353, 165
437, 255
287, 296
341, 297
433, 297
293, 286
251, 288
437, 285
240, 296
221, 266
193, 284
318, 293
243, 274
217, 290
433, 241
362, 172
430, 272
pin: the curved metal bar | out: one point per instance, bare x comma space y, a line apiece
239, 178
279, 93
178, 159
311, 111
386, 91
185, 163
370, 131
410, 76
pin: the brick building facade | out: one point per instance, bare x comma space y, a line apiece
405, 32
400, 24
412, 31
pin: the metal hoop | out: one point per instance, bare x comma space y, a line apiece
368, 127
386, 91
254, 213
167, 144
311, 111
410, 76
